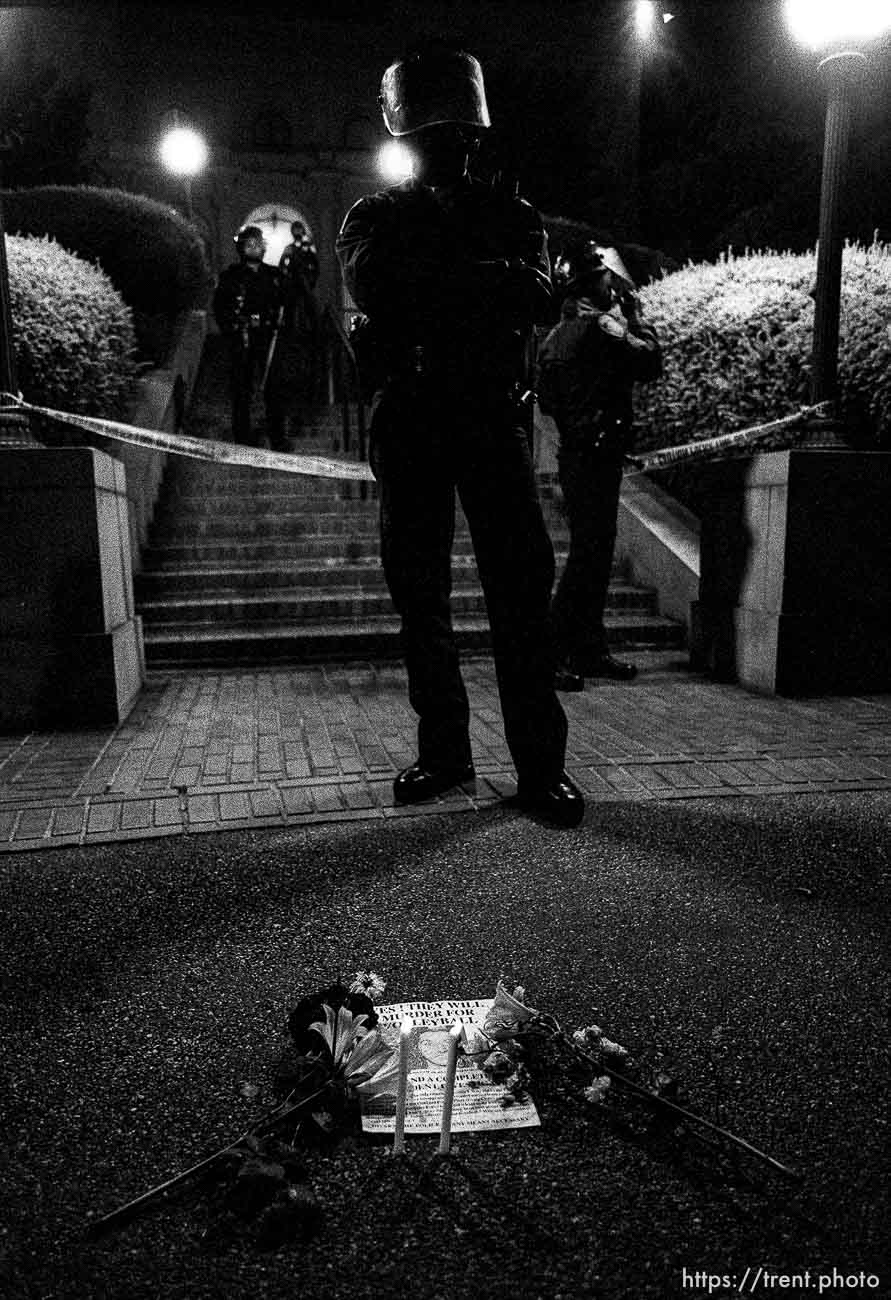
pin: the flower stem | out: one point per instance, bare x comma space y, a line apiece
268, 1121
661, 1103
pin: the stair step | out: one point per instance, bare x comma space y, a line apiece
235, 502
199, 476
198, 644
327, 605
252, 566
175, 580
211, 551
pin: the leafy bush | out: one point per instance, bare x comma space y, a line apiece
737, 341
154, 258
73, 333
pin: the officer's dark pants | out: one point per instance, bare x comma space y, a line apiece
246, 367
591, 479
422, 450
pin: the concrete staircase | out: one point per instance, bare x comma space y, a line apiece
248, 566
253, 566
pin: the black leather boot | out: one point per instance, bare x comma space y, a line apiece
417, 783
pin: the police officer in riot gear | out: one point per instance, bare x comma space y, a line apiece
299, 258
248, 306
587, 368
299, 269
451, 275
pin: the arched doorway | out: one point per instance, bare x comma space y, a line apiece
275, 220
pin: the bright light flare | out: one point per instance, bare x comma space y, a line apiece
824, 22
183, 151
395, 162
277, 236
644, 18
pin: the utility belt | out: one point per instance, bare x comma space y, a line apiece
254, 322
431, 369
608, 432
434, 371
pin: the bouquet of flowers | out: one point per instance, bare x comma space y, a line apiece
336, 1057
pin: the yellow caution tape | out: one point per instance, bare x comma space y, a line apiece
739, 438
228, 453
220, 453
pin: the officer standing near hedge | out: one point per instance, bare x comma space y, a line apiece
451, 275
248, 306
587, 367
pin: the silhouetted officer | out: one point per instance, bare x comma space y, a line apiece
248, 305
299, 267
300, 257
587, 368
451, 275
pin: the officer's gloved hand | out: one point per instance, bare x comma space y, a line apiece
528, 288
630, 304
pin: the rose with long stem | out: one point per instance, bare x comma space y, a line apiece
510, 1017
264, 1124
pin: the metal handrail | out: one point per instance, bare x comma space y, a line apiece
343, 382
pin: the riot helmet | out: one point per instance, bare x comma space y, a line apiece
432, 86
250, 243
582, 270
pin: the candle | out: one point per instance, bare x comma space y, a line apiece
445, 1132
402, 1085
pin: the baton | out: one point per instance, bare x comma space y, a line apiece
272, 342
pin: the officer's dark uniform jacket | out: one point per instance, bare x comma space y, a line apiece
246, 306
434, 279
300, 260
247, 299
451, 283
587, 367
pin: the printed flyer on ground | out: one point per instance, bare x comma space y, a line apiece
477, 1104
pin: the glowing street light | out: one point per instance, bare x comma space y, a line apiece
819, 23
395, 162
644, 18
645, 14
642, 47
839, 26
183, 152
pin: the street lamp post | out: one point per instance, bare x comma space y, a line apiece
842, 72
840, 27
649, 18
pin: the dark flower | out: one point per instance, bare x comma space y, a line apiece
311, 1010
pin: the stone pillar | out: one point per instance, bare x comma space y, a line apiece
71, 651
795, 591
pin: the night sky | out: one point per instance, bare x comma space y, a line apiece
727, 131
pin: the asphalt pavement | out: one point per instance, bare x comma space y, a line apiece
722, 912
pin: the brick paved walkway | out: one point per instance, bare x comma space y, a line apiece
207, 751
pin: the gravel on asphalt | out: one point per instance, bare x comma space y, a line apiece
740, 945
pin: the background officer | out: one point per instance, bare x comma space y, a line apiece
300, 257
300, 345
451, 275
587, 367
248, 306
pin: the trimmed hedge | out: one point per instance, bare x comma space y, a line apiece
737, 340
154, 258
74, 337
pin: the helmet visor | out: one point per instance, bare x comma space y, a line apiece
421, 91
